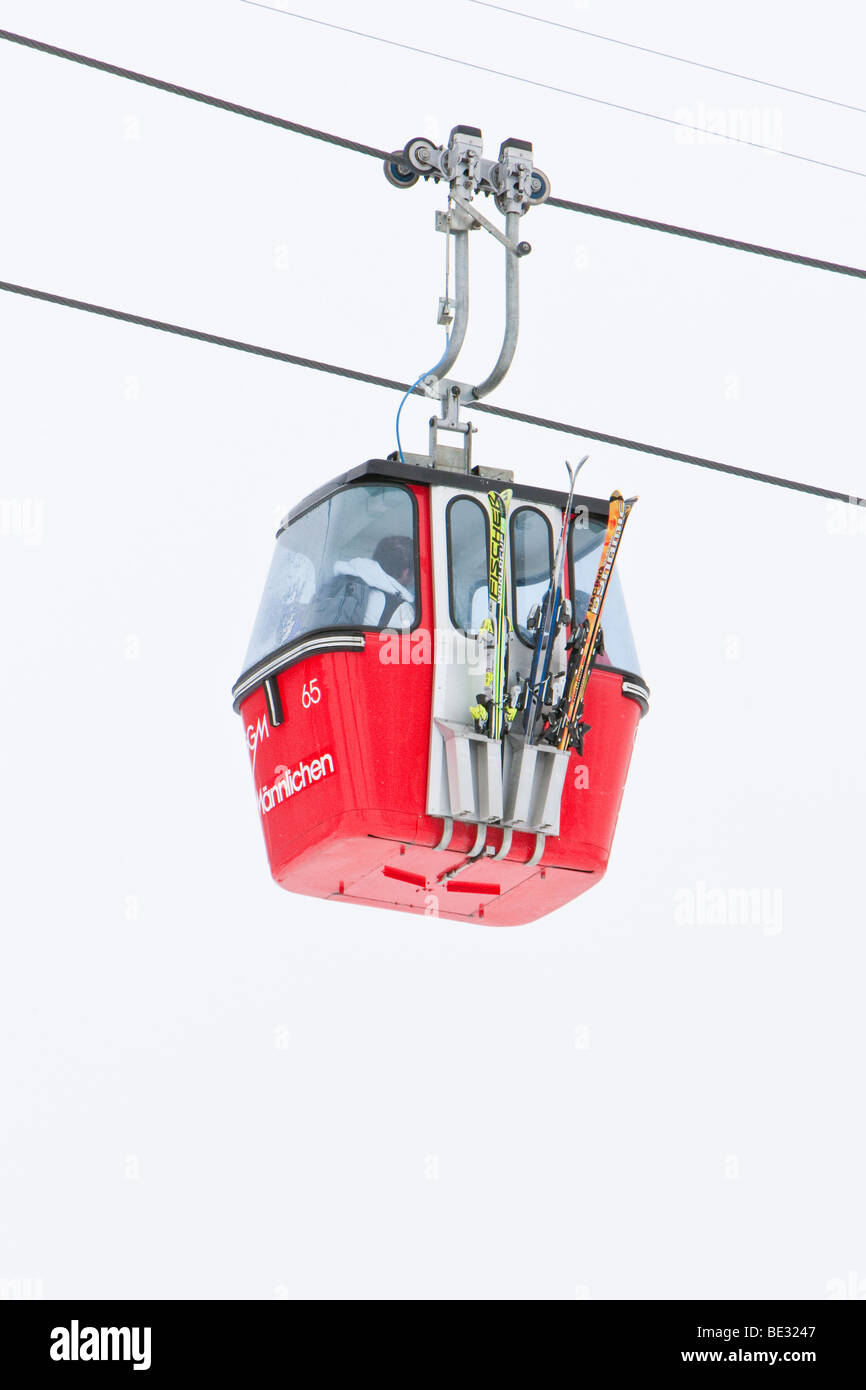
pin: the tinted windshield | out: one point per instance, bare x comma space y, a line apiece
347, 563
586, 543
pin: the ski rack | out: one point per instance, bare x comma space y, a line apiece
506, 784
516, 185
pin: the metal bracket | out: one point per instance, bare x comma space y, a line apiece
447, 832
449, 420
445, 316
520, 248
457, 219
516, 185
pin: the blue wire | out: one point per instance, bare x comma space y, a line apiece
412, 388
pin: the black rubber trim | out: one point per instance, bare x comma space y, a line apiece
273, 701
343, 640
629, 678
639, 693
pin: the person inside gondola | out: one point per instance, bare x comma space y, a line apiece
369, 591
388, 575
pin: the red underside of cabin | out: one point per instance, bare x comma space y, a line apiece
354, 829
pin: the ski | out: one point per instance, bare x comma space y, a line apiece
490, 713
548, 619
567, 728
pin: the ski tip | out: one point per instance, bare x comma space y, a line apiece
573, 471
630, 503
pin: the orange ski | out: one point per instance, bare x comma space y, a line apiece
568, 730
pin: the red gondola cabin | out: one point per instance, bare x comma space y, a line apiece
372, 782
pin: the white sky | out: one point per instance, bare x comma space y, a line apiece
149, 964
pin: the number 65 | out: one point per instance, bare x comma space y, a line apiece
311, 694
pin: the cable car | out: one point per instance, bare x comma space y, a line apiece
407, 752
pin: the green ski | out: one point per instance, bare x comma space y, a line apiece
490, 714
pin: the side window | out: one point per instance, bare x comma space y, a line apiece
531, 562
466, 525
585, 545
